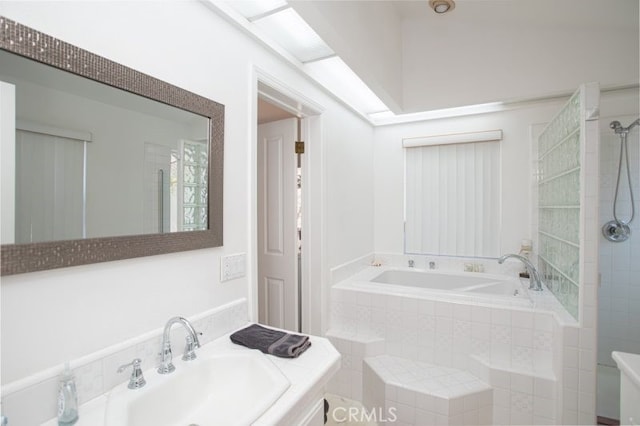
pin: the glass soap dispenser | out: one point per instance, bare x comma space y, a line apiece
67, 398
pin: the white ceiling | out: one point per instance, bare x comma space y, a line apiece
527, 12
483, 51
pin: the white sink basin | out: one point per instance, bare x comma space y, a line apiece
223, 389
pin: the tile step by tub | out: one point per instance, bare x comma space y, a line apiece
418, 393
354, 348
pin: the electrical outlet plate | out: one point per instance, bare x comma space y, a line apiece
233, 267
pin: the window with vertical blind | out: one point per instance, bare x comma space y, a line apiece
452, 195
50, 194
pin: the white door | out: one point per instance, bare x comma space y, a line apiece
277, 249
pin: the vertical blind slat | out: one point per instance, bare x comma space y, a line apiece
452, 205
49, 176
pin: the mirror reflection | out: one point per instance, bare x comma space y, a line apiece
95, 161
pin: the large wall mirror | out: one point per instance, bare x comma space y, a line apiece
100, 162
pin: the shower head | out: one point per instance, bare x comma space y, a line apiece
619, 130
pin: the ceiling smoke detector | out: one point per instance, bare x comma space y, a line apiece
442, 6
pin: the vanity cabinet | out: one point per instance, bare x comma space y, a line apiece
314, 415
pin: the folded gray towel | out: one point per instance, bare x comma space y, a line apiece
271, 342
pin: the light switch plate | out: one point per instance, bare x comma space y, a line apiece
232, 266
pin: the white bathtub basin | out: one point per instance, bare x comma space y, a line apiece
434, 280
500, 288
463, 286
227, 389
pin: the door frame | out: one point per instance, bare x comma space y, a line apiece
313, 265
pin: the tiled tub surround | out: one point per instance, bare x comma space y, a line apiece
33, 400
527, 355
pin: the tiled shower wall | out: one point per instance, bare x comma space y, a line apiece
619, 296
619, 293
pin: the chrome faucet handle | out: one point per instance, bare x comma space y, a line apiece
411, 263
190, 347
136, 381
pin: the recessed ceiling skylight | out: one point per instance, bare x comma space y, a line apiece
251, 9
292, 33
336, 76
390, 118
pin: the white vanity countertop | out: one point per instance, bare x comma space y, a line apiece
629, 364
308, 374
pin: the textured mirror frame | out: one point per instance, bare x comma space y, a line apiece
23, 258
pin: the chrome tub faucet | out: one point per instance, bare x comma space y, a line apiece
535, 283
192, 343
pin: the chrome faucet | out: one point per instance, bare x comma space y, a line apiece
166, 365
535, 281
136, 381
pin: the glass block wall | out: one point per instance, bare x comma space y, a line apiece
559, 204
194, 185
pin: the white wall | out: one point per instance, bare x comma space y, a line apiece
49, 317
516, 170
350, 200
